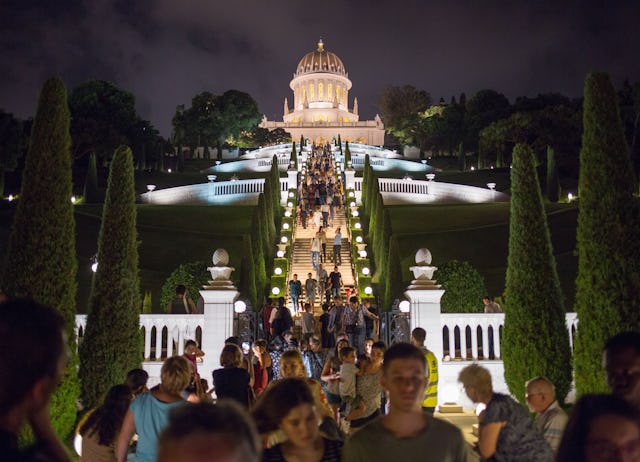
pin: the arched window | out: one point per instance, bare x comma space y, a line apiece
320, 91
338, 88
330, 91
312, 92
304, 93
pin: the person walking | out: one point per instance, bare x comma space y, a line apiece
295, 290
337, 247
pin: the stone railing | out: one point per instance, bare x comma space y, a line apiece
477, 336
164, 334
238, 192
267, 162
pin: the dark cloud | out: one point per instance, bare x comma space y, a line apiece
165, 51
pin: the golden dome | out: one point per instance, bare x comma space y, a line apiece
320, 60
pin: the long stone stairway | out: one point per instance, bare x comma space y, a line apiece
301, 257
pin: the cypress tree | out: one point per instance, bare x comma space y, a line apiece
269, 231
366, 179
180, 165
607, 285
111, 344
274, 190
247, 272
294, 157
347, 154
41, 255
382, 251
301, 142
91, 192
536, 341
394, 286
257, 244
553, 182
461, 158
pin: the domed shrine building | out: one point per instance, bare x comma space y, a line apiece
321, 110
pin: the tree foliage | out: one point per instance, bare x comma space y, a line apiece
394, 285
553, 182
294, 157
247, 273
91, 192
463, 285
111, 344
12, 143
192, 275
41, 257
608, 281
535, 340
400, 108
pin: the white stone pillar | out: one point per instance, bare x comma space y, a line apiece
219, 296
292, 175
424, 295
217, 327
350, 178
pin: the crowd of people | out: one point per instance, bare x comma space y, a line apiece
342, 403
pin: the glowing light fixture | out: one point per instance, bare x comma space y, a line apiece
284, 239
239, 306
169, 170
278, 271
11, 197
151, 187
352, 194
368, 290
352, 204
404, 306
569, 197
357, 225
275, 291
472, 168
280, 253
365, 271
291, 194
287, 213
491, 186
73, 199
289, 204
355, 213
363, 254
285, 225
358, 239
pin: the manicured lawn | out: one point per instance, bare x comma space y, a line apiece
479, 234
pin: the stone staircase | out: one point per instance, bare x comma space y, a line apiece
301, 256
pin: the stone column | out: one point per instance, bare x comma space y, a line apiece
292, 175
424, 295
219, 295
350, 178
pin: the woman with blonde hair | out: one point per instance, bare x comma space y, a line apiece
148, 414
506, 432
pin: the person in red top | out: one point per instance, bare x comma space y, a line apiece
266, 316
192, 353
261, 366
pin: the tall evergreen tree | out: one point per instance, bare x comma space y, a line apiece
180, 164
301, 142
366, 180
535, 339
257, 245
111, 345
41, 257
382, 250
553, 182
269, 231
247, 272
294, 157
394, 285
608, 281
91, 192
347, 155
274, 192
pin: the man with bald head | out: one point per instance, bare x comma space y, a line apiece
550, 417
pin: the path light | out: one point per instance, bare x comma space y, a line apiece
358, 239
363, 254
491, 186
404, 306
430, 176
355, 213
218, 162
368, 290
278, 271
275, 291
285, 225
287, 213
472, 168
168, 170
424, 161
352, 204
291, 194
10, 197
284, 239
289, 204
365, 271
212, 178
240, 307
569, 197
94, 263
352, 194
357, 225
280, 253
73, 199
151, 187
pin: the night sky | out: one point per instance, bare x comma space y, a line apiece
166, 51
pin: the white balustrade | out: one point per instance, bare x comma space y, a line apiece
479, 335
169, 328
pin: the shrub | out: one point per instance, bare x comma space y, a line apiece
191, 275
463, 286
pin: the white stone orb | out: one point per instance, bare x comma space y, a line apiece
220, 258
423, 257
